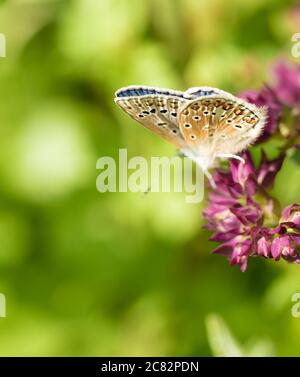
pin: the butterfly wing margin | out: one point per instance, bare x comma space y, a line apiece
142, 90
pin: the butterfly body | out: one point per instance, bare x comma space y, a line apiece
205, 123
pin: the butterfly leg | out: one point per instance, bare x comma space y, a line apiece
229, 155
210, 179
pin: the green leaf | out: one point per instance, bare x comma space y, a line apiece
220, 338
223, 343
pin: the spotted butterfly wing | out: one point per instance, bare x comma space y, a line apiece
217, 125
156, 109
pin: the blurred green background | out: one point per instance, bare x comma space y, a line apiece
111, 274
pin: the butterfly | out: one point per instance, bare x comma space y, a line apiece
205, 123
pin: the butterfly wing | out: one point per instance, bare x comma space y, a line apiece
220, 124
156, 109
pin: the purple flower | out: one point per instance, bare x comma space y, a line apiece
290, 218
268, 170
283, 241
237, 217
281, 245
287, 83
244, 174
266, 97
286, 247
264, 246
292, 214
237, 250
260, 241
240, 254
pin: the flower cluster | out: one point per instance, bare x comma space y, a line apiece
244, 217
241, 213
